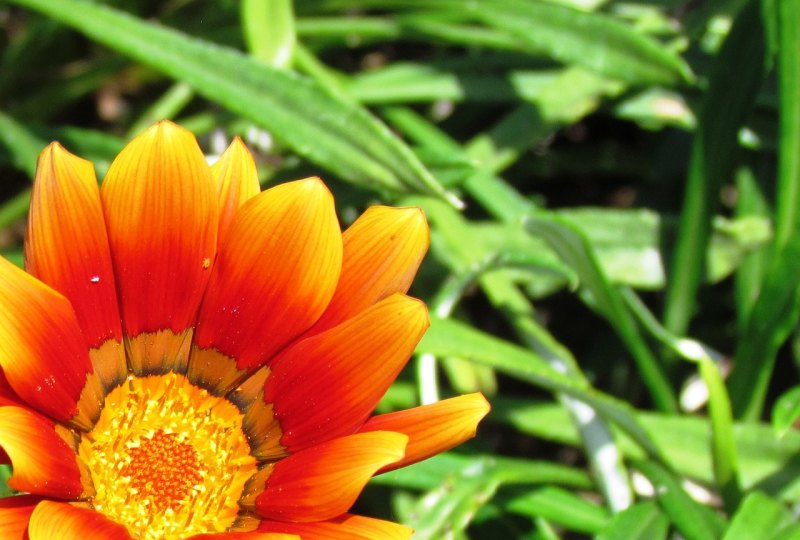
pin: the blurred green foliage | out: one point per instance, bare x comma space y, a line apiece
613, 189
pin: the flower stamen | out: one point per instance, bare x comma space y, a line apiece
168, 459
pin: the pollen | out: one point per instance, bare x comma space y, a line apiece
164, 467
167, 459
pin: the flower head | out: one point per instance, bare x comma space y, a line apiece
189, 358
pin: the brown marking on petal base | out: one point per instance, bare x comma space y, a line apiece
73, 438
214, 371
262, 428
250, 390
263, 431
254, 487
157, 353
109, 364
90, 403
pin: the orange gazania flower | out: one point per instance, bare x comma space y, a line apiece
188, 358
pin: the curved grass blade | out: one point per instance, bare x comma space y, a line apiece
326, 129
592, 40
693, 520
575, 250
735, 80
268, 27
447, 337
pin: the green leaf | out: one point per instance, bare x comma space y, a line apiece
736, 77
15, 257
574, 249
24, 147
432, 472
786, 410
656, 108
770, 323
759, 516
559, 506
628, 243
23, 144
449, 509
693, 520
593, 40
5, 474
723, 445
787, 15
643, 521
450, 338
323, 127
766, 462
269, 30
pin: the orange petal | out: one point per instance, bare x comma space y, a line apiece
433, 428
236, 178
51, 520
344, 527
327, 385
14, 515
7, 394
161, 211
43, 462
324, 481
67, 247
382, 252
42, 351
274, 276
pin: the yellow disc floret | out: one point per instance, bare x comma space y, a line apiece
168, 459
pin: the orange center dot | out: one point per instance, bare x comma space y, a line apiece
163, 469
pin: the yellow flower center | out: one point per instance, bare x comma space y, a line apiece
167, 459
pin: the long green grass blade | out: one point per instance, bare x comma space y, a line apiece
574, 249
734, 82
693, 521
450, 338
268, 27
24, 148
787, 199
330, 131
644, 521
771, 321
758, 517
560, 506
723, 445
593, 40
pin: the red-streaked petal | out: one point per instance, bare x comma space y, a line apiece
15, 512
43, 462
42, 351
63, 521
324, 481
275, 274
160, 207
345, 527
433, 428
254, 535
326, 386
7, 394
236, 178
382, 252
67, 247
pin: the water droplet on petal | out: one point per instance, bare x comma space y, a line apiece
95, 279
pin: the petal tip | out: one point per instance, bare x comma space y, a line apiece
312, 184
480, 403
419, 311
